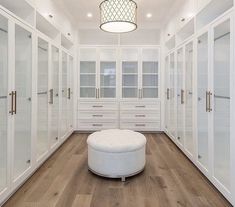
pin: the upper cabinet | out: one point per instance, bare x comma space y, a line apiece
140, 73
98, 73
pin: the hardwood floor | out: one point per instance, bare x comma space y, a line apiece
169, 180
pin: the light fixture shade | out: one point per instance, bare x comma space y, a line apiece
118, 16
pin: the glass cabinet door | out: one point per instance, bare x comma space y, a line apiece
107, 73
172, 117
202, 91
130, 71
180, 96
70, 93
167, 91
64, 86
3, 101
222, 107
88, 88
22, 109
42, 98
189, 97
150, 73
55, 93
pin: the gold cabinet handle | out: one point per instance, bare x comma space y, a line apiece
207, 108
210, 108
51, 101
69, 93
168, 94
12, 100
15, 101
182, 96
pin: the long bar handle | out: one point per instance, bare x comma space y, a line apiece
15, 101
168, 94
12, 100
210, 108
207, 108
51, 96
69, 93
182, 96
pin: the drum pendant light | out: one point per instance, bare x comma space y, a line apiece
118, 16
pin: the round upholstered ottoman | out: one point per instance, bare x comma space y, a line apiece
116, 153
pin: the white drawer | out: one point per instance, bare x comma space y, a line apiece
151, 126
98, 115
94, 126
97, 106
139, 106
140, 116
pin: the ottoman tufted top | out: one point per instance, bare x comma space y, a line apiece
116, 140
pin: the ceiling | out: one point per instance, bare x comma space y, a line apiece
161, 11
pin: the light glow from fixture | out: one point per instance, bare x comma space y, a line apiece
149, 15
89, 15
118, 16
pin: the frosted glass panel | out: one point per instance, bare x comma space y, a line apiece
150, 54
64, 122
70, 95
3, 101
180, 104
150, 92
129, 79
172, 117
129, 67
150, 80
189, 97
222, 103
202, 87
150, 67
55, 87
88, 54
129, 54
129, 92
167, 112
42, 98
107, 92
23, 87
87, 67
87, 79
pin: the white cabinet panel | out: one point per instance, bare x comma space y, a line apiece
202, 88
89, 106
141, 126
222, 107
42, 98
140, 106
4, 159
23, 88
54, 134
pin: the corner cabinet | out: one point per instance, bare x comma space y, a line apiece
97, 106
113, 80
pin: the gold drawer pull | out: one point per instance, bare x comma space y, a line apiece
140, 115
143, 106
140, 125
97, 115
97, 125
97, 106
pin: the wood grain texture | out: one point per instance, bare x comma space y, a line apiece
169, 180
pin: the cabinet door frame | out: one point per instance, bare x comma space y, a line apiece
217, 183
4, 192
26, 173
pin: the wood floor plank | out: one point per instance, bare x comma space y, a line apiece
169, 180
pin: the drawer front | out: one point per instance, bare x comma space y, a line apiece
139, 106
98, 115
94, 126
140, 115
97, 106
152, 126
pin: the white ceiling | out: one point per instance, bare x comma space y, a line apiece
161, 11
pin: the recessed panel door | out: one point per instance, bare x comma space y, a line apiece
22, 101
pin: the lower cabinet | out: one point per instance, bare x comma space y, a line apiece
93, 116
140, 116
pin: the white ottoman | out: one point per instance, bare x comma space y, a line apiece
116, 153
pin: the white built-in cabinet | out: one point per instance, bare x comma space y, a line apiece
199, 92
119, 88
33, 78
